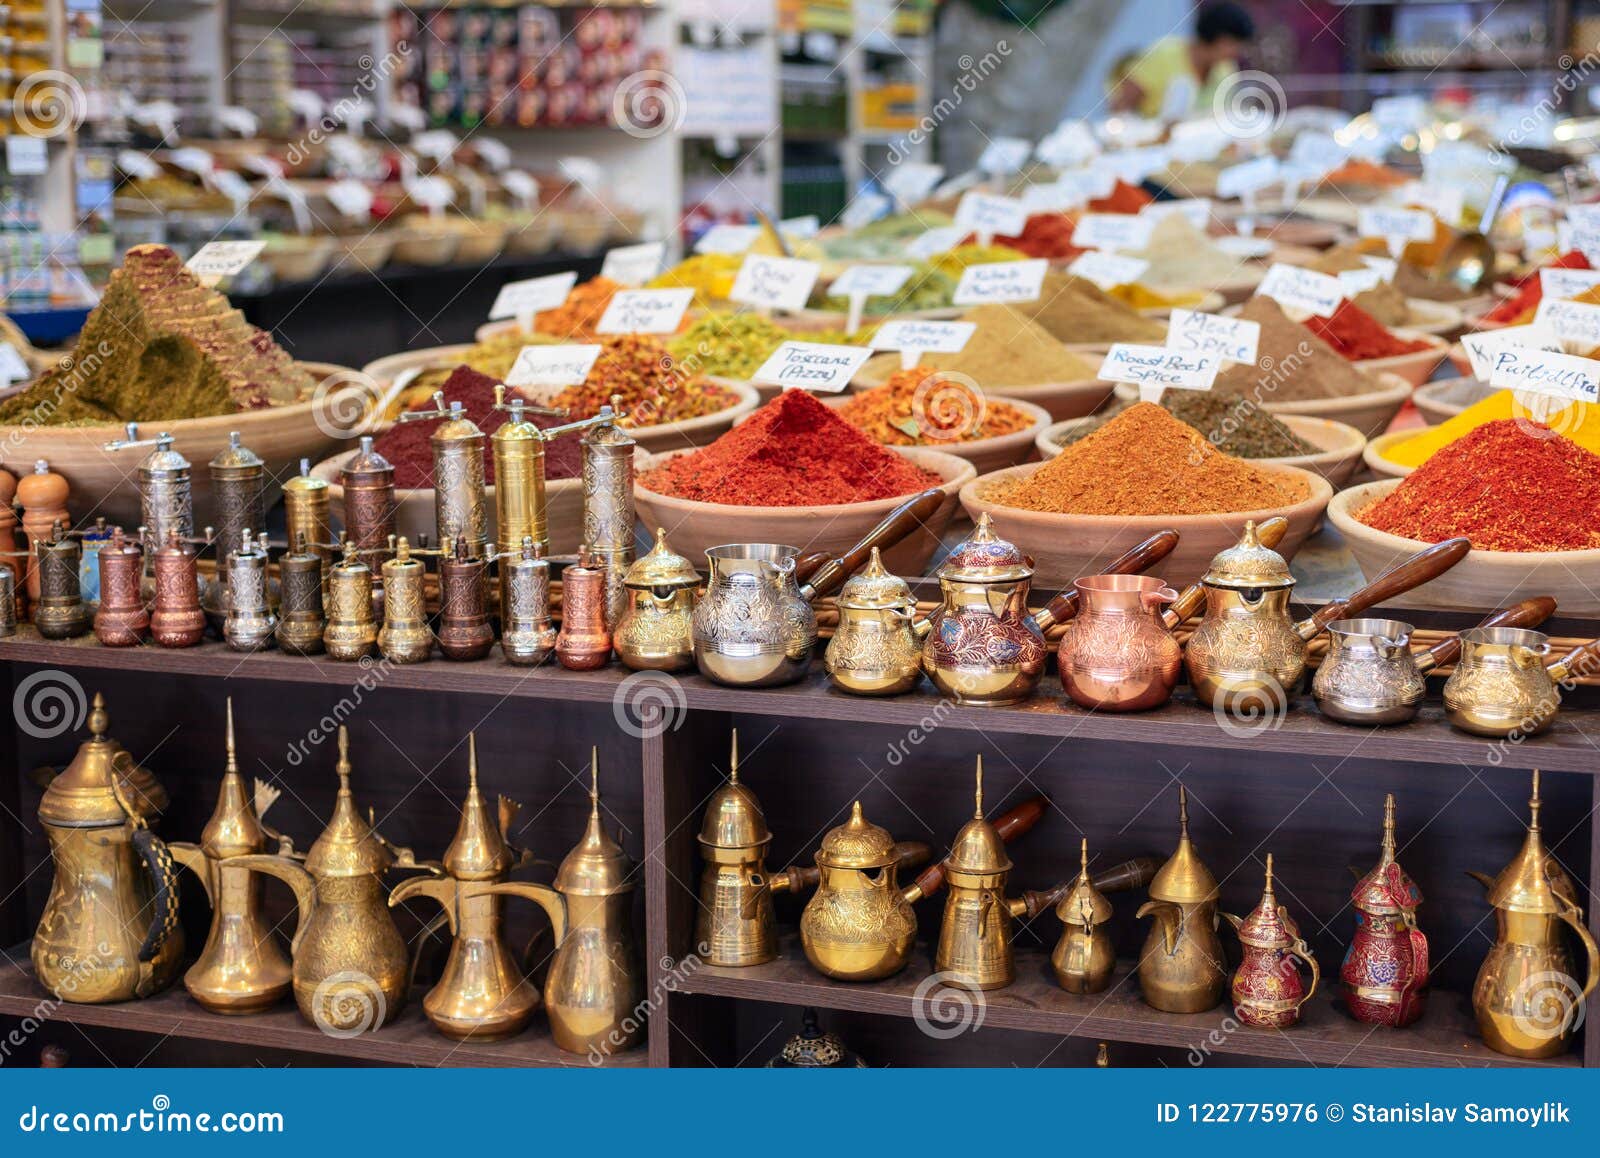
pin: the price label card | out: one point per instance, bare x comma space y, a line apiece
406, 116
351, 198
12, 366
1238, 180
1200, 140
137, 165
232, 186
1005, 155
1154, 369
438, 144
1113, 231
1566, 283
871, 281
1586, 241
192, 160
914, 338
1317, 151
1395, 224
986, 213
238, 120
1561, 375
813, 366
727, 238
1359, 281
1584, 216
523, 186
552, 365
432, 193
495, 154
523, 299
1302, 289
1001, 281
1445, 201
1248, 248
1400, 112
266, 166
1086, 184
868, 206
1575, 323
645, 311
1196, 209
27, 156
1107, 269
1049, 199
804, 228
1134, 165
776, 283
1228, 339
217, 259
634, 264
911, 181
1482, 348
936, 240
305, 103
1385, 266
1068, 144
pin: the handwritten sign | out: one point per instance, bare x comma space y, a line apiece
523, 299
1154, 369
1385, 266
726, 238
873, 281
1069, 143
217, 259
1575, 323
914, 338
1542, 372
28, 156
986, 213
1107, 269
552, 365
1229, 339
1001, 281
1086, 184
1482, 347
776, 283
1302, 289
633, 264
1113, 231
1196, 209
1134, 165
867, 207
1396, 226
645, 311
911, 181
936, 240
802, 227
1248, 177
1566, 283
813, 366
1049, 199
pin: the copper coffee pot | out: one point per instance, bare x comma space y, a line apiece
1246, 656
583, 643
464, 631
1181, 967
121, 619
176, 619
1267, 989
481, 994
1528, 998
1385, 971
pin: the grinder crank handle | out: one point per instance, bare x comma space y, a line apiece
1528, 613
1193, 597
1428, 563
908, 854
908, 517
1140, 559
1011, 825
1130, 874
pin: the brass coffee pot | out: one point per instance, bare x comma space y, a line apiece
735, 925
241, 969
1084, 958
1527, 997
1385, 970
110, 928
1267, 989
350, 969
875, 650
656, 630
1501, 685
595, 984
1246, 656
1181, 967
481, 994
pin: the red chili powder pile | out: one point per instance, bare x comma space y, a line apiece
793, 452
1123, 198
1358, 335
1520, 306
406, 443
1510, 485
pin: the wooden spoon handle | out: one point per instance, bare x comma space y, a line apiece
1528, 613
1428, 563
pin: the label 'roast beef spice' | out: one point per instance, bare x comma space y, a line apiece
793, 452
1510, 485
1145, 462
1292, 364
1358, 335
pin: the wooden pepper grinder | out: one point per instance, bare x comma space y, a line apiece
43, 498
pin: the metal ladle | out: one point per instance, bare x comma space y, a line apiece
1468, 262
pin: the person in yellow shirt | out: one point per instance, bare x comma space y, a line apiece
1178, 75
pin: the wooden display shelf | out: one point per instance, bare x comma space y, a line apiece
408, 1040
1570, 745
1445, 1035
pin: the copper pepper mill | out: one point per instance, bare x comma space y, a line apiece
300, 618
59, 612
405, 636
176, 619
250, 623
238, 496
122, 619
351, 633
583, 644
527, 635
464, 631
369, 498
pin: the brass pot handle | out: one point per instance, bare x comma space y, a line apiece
1573, 915
290, 873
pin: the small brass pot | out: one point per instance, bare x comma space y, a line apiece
1501, 685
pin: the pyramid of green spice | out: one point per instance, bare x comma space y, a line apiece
160, 346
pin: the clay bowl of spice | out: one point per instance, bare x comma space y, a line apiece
1369, 413
391, 367
1108, 492
1442, 400
792, 473
1415, 367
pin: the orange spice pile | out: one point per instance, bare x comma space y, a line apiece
924, 407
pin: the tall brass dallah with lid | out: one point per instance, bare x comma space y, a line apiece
1528, 998
1084, 957
735, 925
1384, 974
875, 650
656, 630
109, 931
481, 994
1181, 968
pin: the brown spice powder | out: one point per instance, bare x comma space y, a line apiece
1008, 349
1074, 309
1292, 364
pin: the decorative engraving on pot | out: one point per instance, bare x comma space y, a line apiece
1514, 694
753, 628
1118, 653
653, 628
872, 647
608, 514
850, 917
460, 507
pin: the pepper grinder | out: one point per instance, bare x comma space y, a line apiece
176, 620
238, 495
464, 631
351, 633
166, 499
43, 498
250, 623
369, 499
121, 620
527, 635
459, 497
59, 612
608, 509
8, 526
405, 636
300, 619
305, 512
583, 643
8, 602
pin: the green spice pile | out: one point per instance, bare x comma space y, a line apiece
926, 289
1228, 419
727, 345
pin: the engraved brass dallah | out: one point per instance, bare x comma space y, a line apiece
735, 925
595, 984
241, 969
300, 618
351, 633
351, 966
482, 994
110, 928
405, 636
1181, 967
527, 633
1528, 998
656, 630
1384, 975
1084, 957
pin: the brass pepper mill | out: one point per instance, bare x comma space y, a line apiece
595, 984
238, 496
519, 501
735, 925
300, 619
464, 630
481, 994
241, 969
176, 619
608, 509
351, 632
583, 644
405, 636
1267, 988
369, 498
166, 498
1181, 968
656, 631
305, 512
459, 503
250, 621
1528, 998
1084, 957
43, 498
59, 612
121, 620
527, 635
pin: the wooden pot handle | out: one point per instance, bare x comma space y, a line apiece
1011, 825
909, 516
1136, 561
1528, 613
1428, 563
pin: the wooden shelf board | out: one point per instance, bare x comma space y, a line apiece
1445, 1035
1571, 745
409, 1040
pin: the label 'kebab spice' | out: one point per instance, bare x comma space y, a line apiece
1359, 336
406, 444
1292, 364
793, 452
1231, 422
1508, 486
1074, 309
1145, 462
638, 368
923, 407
